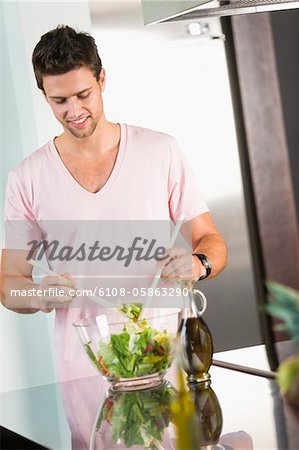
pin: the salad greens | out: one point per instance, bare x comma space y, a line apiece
138, 418
138, 350
132, 310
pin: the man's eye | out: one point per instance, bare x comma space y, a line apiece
83, 95
60, 102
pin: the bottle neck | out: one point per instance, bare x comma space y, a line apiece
189, 307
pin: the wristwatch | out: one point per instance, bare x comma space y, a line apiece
206, 263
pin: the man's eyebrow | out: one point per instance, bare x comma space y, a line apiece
57, 97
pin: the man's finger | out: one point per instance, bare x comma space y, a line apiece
56, 280
47, 310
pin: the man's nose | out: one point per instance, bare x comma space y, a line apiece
74, 108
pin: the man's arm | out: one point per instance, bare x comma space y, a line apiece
19, 292
206, 240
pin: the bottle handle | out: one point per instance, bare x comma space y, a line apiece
203, 299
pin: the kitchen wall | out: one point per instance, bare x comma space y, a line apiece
286, 40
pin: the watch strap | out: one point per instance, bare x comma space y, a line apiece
206, 263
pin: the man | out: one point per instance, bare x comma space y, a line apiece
95, 170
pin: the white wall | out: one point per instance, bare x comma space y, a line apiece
27, 356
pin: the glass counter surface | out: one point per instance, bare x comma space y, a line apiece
254, 415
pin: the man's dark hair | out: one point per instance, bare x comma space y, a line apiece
63, 49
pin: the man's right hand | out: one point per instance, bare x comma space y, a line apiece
51, 284
17, 276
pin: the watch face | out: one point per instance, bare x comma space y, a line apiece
206, 263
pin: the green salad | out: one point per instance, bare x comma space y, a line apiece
131, 310
136, 351
138, 418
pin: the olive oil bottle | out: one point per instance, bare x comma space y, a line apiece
208, 414
194, 336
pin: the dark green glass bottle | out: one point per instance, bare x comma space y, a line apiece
208, 414
196, 346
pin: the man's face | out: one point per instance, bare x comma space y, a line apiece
76, 100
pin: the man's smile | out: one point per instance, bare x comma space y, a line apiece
78, 123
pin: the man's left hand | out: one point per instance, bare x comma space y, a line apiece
181, 265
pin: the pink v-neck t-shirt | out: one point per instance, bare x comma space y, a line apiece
150, 181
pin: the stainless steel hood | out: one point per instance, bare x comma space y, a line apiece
209, 8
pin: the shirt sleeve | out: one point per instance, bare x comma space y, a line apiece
21, 226
185, 200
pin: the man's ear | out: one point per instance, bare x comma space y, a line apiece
102, 79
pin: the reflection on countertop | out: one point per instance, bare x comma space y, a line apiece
142, 419
253, 412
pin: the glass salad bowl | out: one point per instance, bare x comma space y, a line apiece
131, 349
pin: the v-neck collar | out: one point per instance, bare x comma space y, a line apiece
112, 178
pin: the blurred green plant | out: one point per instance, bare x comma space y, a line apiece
284, 304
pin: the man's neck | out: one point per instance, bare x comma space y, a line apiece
105, 138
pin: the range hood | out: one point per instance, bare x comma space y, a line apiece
209, 8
